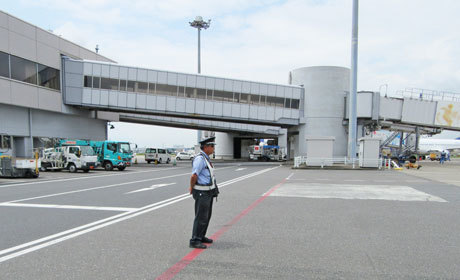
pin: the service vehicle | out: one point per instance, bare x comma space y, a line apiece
113, 154
13, 167
157, 155
184, 155
69, 156
266, 152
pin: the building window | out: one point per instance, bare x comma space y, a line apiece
48, 77
255, 99
201, 93
23, 70
166, 90
123, 85
295, 103
88, 81
287, 103
141, 87
152, 88
4, 65
107, 83
244, 98
5, 142
130, 86
96, 82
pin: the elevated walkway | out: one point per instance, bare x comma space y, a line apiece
111, 87
409, 110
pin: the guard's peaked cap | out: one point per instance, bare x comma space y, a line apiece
208, 141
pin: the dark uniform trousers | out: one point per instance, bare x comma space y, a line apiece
203, 211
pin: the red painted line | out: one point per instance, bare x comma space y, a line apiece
179, 266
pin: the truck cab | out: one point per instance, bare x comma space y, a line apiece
113, 154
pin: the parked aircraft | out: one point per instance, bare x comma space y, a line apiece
428, 145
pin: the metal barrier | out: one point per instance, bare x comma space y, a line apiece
381, 163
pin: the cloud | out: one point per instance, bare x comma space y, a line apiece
411, 43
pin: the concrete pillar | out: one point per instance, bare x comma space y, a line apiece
224, 145
283, 141
324, 104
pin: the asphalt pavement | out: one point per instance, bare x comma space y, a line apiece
270, 222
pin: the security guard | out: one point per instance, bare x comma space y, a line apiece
203, 187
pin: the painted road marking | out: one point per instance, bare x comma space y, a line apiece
179, 266
289, 177
151, 188
35, 245
86, 177
345, 191
239, 169
101, 187
119, 209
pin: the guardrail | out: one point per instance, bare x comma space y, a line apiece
426, 94
380, 163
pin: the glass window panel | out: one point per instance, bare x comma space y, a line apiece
96, 82
279, 102
105, 83
4, 65
181, 92
255, 99
244, 98
141, 87
190, 92
88, 81
48, 77
263, 100
131, 85
23, 70
287, 103
209, 93
271, 101
295, 103
166, 90
236, 97
123, 85
151, 88
200, 93
220, 95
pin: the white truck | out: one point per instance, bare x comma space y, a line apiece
72, 158
266, 153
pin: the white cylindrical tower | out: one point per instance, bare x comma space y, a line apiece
325, 90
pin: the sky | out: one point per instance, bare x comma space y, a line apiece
402, 44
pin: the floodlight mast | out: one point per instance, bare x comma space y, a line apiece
199, 24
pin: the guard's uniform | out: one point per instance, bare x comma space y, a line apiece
203, 193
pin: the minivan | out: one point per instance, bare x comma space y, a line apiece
159, 155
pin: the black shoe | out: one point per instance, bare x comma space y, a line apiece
206, 240
197, 245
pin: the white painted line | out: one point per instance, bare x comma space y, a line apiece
239, 169
348, 191
151, 188
289, 177
88, 177
120, 209
71, 233
102, 187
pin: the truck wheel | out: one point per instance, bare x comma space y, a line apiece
42, 169
148, 162
121, 168
168, 160
178, 158
72, 168
108, 166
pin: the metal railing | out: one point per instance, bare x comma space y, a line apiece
427, 94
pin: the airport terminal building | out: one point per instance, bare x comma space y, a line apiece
53, 88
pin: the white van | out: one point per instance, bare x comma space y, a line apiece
154, 154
